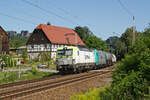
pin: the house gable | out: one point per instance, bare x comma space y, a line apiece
4, 46
38, 37
61, 35
3, 32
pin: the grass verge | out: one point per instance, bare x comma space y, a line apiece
8, 77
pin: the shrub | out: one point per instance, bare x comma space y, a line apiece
24, 55
15, 62
36, 59
92, 94
9, 77
131, 76
131, 87
45, 56
34, 69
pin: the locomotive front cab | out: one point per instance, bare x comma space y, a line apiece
64, 57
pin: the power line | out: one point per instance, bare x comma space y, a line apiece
65, 11
116, 34
48, 11
17, 18
30, 15
127, 10
73, 16
77, 17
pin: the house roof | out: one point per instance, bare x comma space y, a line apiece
61, 35
2, 31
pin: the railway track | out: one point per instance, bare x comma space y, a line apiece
23, 89
29, 81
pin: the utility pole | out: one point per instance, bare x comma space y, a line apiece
133, 37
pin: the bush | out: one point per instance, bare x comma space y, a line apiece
92, 94
45, 56
24, 55
131, 77
36, 59
131, 87
34, 69
9, 77
9, 61
15, 62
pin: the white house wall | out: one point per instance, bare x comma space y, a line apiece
31, 49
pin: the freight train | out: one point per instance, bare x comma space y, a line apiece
78, 59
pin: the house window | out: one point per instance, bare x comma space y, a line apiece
32, 46
45, 46
35, 46
41, 45
48, 45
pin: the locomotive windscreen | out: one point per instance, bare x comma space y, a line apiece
65, 52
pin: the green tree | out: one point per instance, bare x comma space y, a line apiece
120, 48
24, 54
90, 40
96, 43
17, 41
121, 45
83, 32
131, 78
48, 23
45, 56
127, 37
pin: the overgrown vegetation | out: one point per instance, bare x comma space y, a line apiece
131, 78
8, 77
91, 94
120, 46
24, 56
45, 56
9, 61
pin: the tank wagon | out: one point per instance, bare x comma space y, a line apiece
77, 59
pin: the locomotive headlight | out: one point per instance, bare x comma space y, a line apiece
60, 67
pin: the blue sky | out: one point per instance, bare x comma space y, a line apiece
105, 18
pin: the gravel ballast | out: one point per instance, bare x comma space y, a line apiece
64, 92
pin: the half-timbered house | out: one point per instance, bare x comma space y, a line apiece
4, 41
48, 38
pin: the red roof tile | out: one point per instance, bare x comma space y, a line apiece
57, 35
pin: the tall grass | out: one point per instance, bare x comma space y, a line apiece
91, 94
